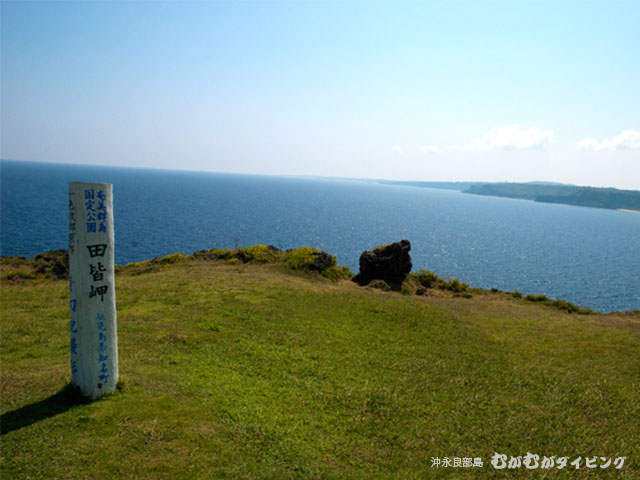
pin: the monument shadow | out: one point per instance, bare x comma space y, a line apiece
66, 399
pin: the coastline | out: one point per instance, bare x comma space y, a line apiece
53, 265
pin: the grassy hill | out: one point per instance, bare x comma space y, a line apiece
258, 371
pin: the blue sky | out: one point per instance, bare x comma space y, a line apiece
442, 90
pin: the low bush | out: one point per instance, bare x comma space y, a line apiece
380, 285
567, 306
463, 295
426, 278
302, 258
454, 285
213, 254
307, 258
536, 298
337, 273
169, 259
257, 254
559, 304
21, 275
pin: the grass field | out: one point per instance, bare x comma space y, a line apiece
255, 372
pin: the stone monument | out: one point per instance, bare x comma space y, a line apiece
94, 339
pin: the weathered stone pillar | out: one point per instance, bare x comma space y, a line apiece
94, 340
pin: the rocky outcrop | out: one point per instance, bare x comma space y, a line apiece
321, 261
390, 263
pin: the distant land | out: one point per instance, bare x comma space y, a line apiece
460, 186
547, 192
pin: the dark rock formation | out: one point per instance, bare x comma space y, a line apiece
321, 261
52, 264
390, 263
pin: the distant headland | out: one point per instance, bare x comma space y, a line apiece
546, 192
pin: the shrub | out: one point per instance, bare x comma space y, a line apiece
257, 254
21, 275
463, 295
536, 298
169, 259
379, 284
336, 273
214, 253
559, 304
406, 290
306, 258
516, 294
221, 253
426, 278
455, 286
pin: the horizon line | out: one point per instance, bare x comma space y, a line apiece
301, 175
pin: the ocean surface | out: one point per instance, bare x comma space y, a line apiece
587, 256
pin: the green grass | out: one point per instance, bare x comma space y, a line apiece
250, 371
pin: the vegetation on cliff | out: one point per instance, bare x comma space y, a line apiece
55, 265
568, 194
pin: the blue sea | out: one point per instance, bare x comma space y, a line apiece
587, 256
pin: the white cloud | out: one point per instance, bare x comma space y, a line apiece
627, 140
429, 149
512, 137
398, 149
